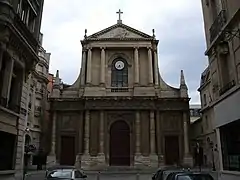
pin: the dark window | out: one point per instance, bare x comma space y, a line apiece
230, 141
15, 90
7, 151
119, 77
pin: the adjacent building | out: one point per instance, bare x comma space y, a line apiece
220, 84
120, 112
20, 22
38, 102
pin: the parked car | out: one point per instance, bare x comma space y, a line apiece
64, 173
162, 173
189, 176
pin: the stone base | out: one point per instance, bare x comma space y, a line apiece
188, 160
93, 163
141, 161
51, 160
85, 161
101, 159
78, 161
153, 160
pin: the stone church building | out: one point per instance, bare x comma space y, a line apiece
119, 112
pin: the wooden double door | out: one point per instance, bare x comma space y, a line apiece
119, 144
172, 150
67, 156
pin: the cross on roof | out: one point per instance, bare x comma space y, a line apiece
119, 16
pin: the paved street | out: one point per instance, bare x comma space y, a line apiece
40, 176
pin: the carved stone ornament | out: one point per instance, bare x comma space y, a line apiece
119, 32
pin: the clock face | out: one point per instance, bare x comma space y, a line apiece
119, 65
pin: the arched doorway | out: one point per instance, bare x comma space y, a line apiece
119, 144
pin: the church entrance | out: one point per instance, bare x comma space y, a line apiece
171, 150
67, 156
119, 144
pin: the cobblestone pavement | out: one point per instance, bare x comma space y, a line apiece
40, 176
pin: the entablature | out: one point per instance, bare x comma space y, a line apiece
120, 103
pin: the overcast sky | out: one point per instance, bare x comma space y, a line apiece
178, 26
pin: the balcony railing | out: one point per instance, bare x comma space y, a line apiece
227, 87
217, 25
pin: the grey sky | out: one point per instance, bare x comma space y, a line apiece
178, 26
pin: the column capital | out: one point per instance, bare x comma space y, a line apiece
149, 47
89, 48
136, 48
102, 48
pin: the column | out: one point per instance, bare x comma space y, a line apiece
53, 147
188, 160
152, 133
83, 67
101, 134
185, 129
137, 124
219, 148
7, 80
150, 68
86, 133
156, 67
89, 66
136, 63
102, 72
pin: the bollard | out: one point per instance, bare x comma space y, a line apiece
137, 176
98, 176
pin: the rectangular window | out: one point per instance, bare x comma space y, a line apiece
15, 89
230, 141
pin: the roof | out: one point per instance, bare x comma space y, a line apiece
205, 76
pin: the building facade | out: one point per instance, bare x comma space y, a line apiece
20, 23
120, 112
220, 93
38, 103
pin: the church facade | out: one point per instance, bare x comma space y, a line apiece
119, 112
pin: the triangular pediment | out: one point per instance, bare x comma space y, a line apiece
119, 31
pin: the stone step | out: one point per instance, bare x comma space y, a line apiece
121, 170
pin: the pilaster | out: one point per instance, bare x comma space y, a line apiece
89, 66
156, 68
136, 65
101, 155
150, 68
86, 159
153, 155
187, 160
102, 72
83, 67
51, 159
1, 57
159, 136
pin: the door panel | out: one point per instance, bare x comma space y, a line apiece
67, 150
171, 150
